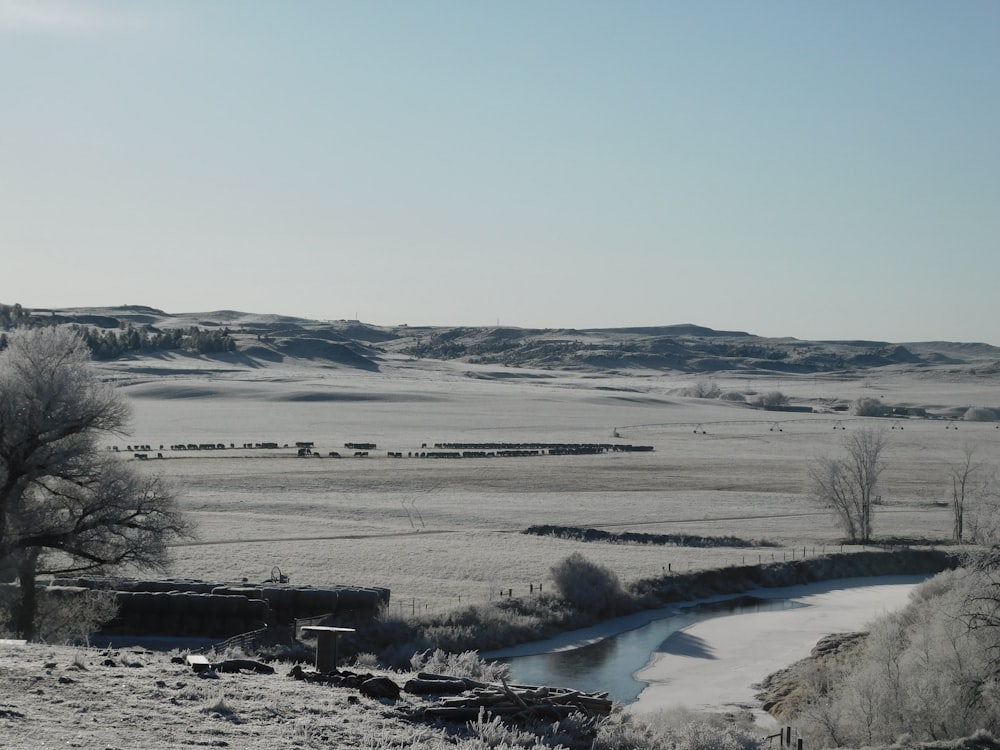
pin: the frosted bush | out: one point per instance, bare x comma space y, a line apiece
586, 585
772, 399
868, 407
979, 414
703, 388
921, 671
466, 664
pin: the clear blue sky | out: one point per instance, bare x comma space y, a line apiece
810, 169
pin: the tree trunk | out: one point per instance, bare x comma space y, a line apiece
27, 567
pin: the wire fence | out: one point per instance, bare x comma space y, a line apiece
408, 607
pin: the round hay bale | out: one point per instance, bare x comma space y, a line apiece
142, 601
175, 602
312, 602
225, 605
278, 598
150, 622
215, 627
189, 625
170, 623
201, 603
358, 598
257, 609
247, 592
283, 602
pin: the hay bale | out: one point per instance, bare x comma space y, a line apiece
312, 602
258, 611
142, 601
150, 622
227, 606
158, 602
215, 627
190, 624
170, 623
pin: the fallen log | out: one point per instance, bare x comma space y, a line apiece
418, 686
243, 665
470, 683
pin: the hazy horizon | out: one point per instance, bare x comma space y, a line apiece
820, 171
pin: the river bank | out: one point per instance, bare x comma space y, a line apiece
714, 665
711, 662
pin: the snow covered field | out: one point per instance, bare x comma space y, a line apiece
444, 532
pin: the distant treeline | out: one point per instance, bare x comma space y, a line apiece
631, 537
108, 343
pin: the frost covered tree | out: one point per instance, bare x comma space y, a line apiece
922, 672
67, 506
961, 476
849, 485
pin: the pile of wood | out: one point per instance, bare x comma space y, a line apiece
513, 702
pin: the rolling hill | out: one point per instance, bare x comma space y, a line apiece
260, 339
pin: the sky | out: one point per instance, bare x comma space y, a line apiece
822, 170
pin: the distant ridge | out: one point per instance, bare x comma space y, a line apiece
686, 347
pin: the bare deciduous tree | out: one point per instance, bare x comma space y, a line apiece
65, 505
868, 406
849, 485
772, 399
960, 476
703, 388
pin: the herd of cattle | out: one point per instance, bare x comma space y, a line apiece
438, 450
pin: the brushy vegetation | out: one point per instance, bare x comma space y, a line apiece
703, 388
925, 674
510, 621
588, 586
979, 414
466, 664
635, 537
772, 399
444, 645
868, 406
63, 617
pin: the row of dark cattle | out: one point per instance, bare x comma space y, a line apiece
505, 453
553, 449
445, 450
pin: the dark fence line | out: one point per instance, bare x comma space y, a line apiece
246, 642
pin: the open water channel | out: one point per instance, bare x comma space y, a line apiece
606, 658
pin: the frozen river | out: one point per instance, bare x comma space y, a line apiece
708, 655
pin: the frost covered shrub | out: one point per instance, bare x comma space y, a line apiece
586, 585
772, 399
979, 414
467, 664
983, 523
681, 729
703, 388
732, 396
868, 407
921, 672
492, 732
71, 616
